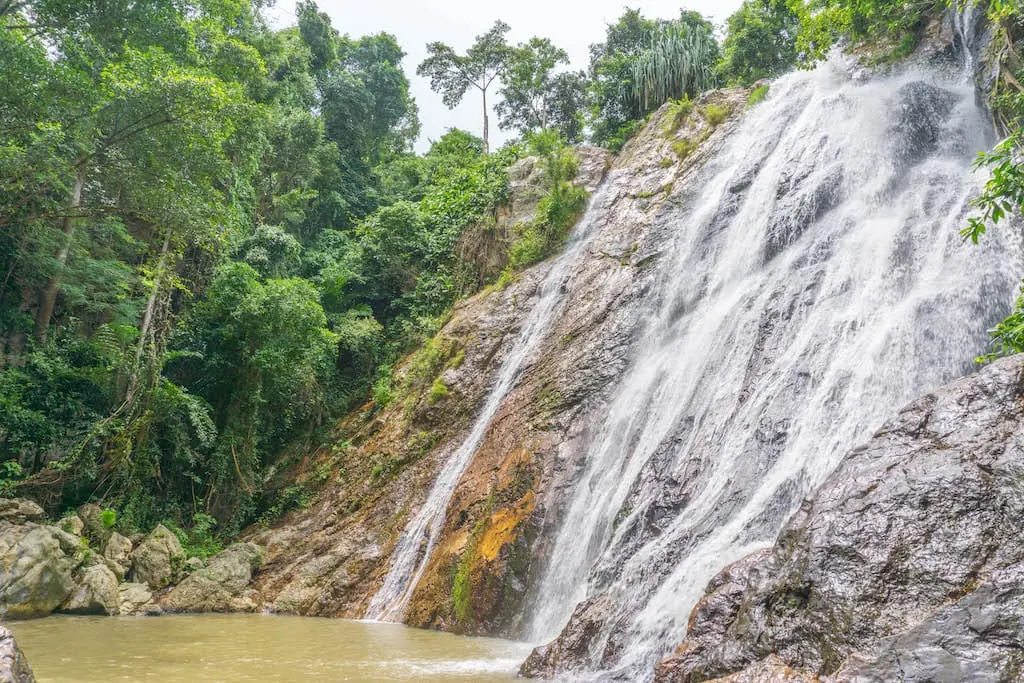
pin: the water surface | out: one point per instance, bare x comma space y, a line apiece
243, 647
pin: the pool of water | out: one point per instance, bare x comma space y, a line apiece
247, 647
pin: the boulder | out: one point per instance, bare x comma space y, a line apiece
72, 524
19, 510
96, 592
221, 585
906, 564
92, 519
14, 667
118, 551
36, 567
158, 560
136, 599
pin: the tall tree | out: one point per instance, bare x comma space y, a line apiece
452, 75
760, 41
534, 97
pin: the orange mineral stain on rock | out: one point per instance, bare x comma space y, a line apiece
502, 527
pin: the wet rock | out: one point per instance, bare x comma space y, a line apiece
96, 593
923, 110
594, 163
711, 616
36, 567
18, 510
906, 564
221, 585
118, 550
14, 668
136, 599
158, 560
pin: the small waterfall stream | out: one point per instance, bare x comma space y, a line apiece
815, 284
416, 543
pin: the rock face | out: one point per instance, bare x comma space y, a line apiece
18, 510
158, 560
118, 551
221, 585
36, 567
14, 668
907, 564
96, 593
330, 559
136, 599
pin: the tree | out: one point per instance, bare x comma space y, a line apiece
614, 109
534, 97
760, 41
679, 61
452, 75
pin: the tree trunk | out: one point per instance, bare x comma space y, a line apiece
487, 145
49, 299
134, 380
147, 318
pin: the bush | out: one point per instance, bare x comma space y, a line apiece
716, 114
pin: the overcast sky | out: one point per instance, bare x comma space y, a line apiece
571, 25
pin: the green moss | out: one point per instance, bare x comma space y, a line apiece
678, 112
438, 392
758, 95
684, 147
716, 114
462, 586
457, 360
666, 162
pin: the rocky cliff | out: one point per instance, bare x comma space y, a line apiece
907, 564
330, 559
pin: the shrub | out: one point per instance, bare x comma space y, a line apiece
716, 114
109, 518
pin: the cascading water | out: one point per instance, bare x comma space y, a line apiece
414, 548
816, 283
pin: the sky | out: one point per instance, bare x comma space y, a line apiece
572, 25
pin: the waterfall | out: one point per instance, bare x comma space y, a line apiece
815, 283
416, 543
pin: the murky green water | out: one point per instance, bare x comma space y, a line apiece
255, 648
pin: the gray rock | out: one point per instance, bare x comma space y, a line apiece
36, 567
96, 593
14, 668
18, 510
157, 561
194, 564
220, 586
136, 599
118, 550
906, 564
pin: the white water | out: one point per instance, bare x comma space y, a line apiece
816, 283
416, 544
